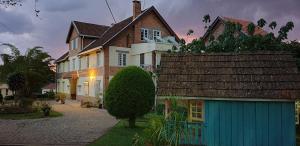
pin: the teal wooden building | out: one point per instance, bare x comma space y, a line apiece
245, 99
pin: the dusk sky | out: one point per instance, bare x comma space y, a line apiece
19, 26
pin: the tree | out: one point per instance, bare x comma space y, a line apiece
16, 82
234, 40
33, 66
190, 32
206, 20
261, 22
130, 94
273, 25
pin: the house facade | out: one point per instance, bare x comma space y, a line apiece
218, 26
243, 99
97, 52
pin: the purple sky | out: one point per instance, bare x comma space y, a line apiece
19, 26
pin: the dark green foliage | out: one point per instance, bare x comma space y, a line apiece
251, 29
47, 95
130, 94
190, 32
11, 97
261, 22
160, 109
16, 81
33, 65
273, 25
206, 20
1, 98
234, 40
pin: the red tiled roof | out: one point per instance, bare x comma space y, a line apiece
244, 23
50, 86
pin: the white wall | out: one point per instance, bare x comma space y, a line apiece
3, 89
91, 85
113, 55
63, 86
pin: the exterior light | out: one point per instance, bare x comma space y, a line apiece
92, 74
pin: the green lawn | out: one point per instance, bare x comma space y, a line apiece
120, 134
35, 115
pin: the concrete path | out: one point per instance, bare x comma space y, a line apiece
79, 126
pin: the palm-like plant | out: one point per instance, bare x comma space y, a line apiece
261, 22
33, 65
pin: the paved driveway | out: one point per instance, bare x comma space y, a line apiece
78, 126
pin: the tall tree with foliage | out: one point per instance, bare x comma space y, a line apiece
16, 82
130, 94
33, 65
234, 40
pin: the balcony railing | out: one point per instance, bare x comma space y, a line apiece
191, 133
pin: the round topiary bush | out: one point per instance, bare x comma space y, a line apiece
130, 94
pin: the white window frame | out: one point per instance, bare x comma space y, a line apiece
74, 43
158, 34
86, 88
144, 33
73, 64
87, 61
198, 110
122, 59
98, 59
79, 63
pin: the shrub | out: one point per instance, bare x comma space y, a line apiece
1, 98
46, 108
50, 95
88, 102
61, 96
10, 97
130, 94
16, 81
160, 109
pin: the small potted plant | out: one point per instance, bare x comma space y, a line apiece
63, 98
46, 108
57, 97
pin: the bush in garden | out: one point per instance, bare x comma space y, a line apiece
160, 109
16, 81
130, 94
1, 98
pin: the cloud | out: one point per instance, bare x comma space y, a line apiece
56, 15
14, 22
63, 5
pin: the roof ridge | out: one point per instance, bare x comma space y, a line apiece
90, 23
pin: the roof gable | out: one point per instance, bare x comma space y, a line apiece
86, 29
122, 26
244, 23
263, 75
63, 57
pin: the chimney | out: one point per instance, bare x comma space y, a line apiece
136, 8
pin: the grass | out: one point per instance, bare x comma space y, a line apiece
120, 134
34, 115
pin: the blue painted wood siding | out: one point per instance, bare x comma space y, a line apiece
233, 123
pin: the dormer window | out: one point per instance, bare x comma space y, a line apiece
156, 34
144, 34
74, 43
